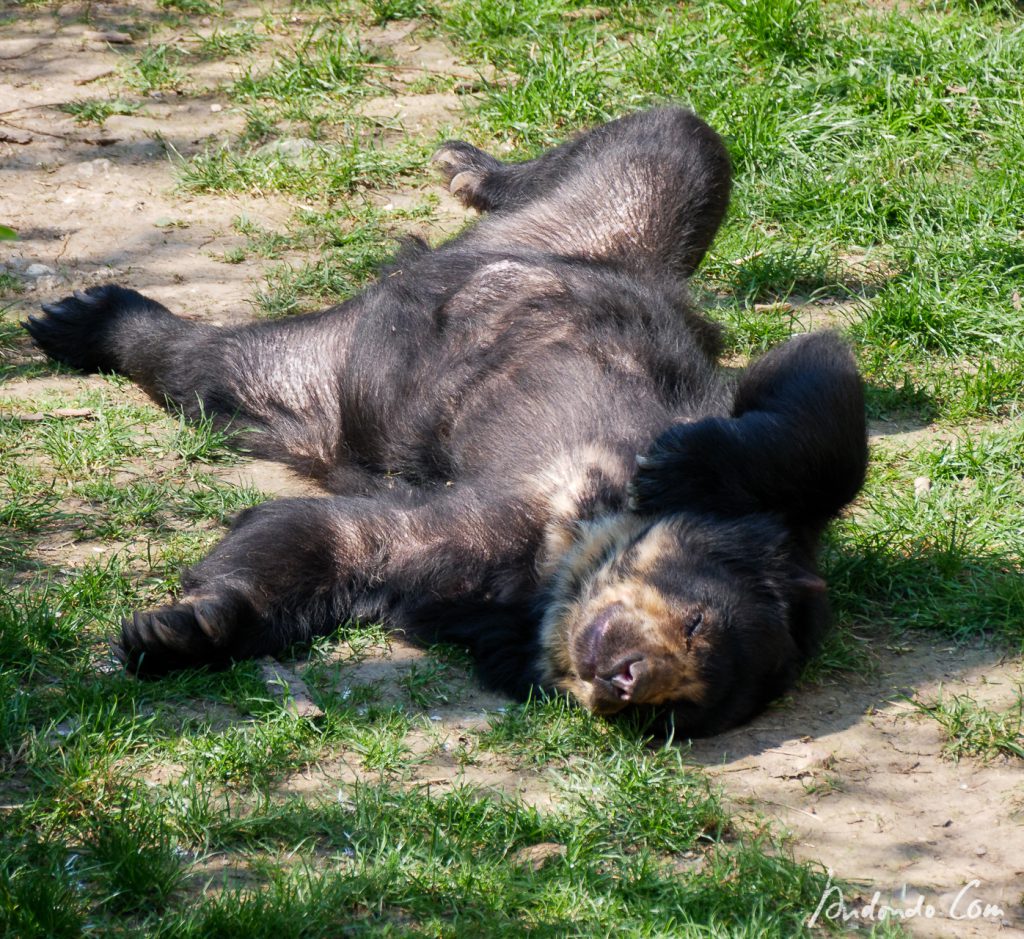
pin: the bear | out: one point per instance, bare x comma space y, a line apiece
527, 445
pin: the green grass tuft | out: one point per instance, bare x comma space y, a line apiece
92, 110
155, 70
974, 730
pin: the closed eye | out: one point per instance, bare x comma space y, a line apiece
693, 624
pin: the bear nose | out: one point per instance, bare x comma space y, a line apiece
626, 676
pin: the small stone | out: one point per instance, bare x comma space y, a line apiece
287, 147
689, 863
48, 283
922, 486
103, 274
216, 108
95, 76
91, 168
38, 270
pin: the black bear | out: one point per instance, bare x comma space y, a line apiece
528, 445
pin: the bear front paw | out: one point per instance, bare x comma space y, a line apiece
75, 331
183, 635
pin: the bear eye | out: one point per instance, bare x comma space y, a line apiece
693, 624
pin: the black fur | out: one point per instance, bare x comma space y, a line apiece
476, 415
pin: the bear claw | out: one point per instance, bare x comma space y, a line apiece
154, 642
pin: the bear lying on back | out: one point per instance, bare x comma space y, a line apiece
529, 446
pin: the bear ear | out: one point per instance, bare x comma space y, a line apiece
804, 580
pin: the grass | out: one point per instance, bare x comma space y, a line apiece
329, 63
157, 69
349, 247
948, 561
972, 729
96, 111
232, 41
9, 283
875, 153
192, 7
329, 170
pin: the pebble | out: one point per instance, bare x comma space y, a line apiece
104, 274
38, 270
91, 168
48, 283
112, 36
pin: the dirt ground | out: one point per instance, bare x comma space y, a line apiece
857, 776
849, 768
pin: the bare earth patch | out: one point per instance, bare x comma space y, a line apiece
857, 775
441, 750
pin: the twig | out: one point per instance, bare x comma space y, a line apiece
748, 257
64, 247
384, 66
32, 107
95, 78
791, 808
95, 141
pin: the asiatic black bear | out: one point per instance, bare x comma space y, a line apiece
528, 444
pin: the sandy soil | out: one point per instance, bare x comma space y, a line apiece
857, 776
849, 767
441, 747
